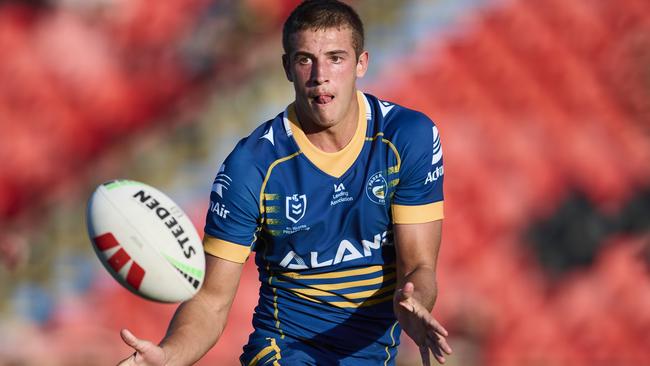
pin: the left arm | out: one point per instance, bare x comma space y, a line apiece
417, 248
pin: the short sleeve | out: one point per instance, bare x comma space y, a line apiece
233, 213
419, 196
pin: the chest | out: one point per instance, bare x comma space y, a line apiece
319, 218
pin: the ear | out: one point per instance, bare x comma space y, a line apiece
286, 64
362, 64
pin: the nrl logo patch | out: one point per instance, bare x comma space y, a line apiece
295, 207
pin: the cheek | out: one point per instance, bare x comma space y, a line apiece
300, 75
345, 76
350, 71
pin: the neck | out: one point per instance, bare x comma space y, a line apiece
333, 138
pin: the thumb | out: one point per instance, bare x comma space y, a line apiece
406, 292
405, 297
132, 340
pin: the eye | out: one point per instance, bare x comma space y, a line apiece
337, 59
303, 60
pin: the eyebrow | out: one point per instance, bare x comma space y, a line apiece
329, 53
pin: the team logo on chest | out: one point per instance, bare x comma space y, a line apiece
376, 188
295, 207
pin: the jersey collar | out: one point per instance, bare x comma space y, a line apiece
336, 163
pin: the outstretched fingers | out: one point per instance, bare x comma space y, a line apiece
437, 327
430, 335
413, 306
435, 349
440, 341
424, 354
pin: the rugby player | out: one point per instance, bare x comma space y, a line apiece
340, 198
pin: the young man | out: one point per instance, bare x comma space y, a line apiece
340, 198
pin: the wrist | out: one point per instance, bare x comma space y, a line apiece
167, 354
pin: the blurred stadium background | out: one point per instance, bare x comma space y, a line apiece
544, 108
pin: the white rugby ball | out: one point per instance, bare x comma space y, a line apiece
146, 242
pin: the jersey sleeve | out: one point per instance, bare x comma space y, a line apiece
233, 214
418, 195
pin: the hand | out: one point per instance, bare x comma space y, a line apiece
146, 353
418, 323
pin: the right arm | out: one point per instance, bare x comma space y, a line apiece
229, 234
197, 324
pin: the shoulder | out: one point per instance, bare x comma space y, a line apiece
252, 156
401, 125
408, 123
266, 144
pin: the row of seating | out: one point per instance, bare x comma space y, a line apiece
79, 78
528, 112
68, 94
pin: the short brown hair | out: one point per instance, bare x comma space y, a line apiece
323, 14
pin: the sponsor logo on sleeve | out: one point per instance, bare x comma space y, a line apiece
221, 182
434, 175
219, 209
220, 185
439, 171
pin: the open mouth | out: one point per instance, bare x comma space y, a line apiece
323, 99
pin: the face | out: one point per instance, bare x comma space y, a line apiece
324, 68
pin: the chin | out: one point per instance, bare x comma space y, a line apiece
322, 118
323, 123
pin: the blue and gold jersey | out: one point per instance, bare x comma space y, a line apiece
320, 224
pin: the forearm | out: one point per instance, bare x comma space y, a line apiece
417, 248
199, 322
194, 329
417, 253
426, 288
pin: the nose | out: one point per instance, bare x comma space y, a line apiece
319, 73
